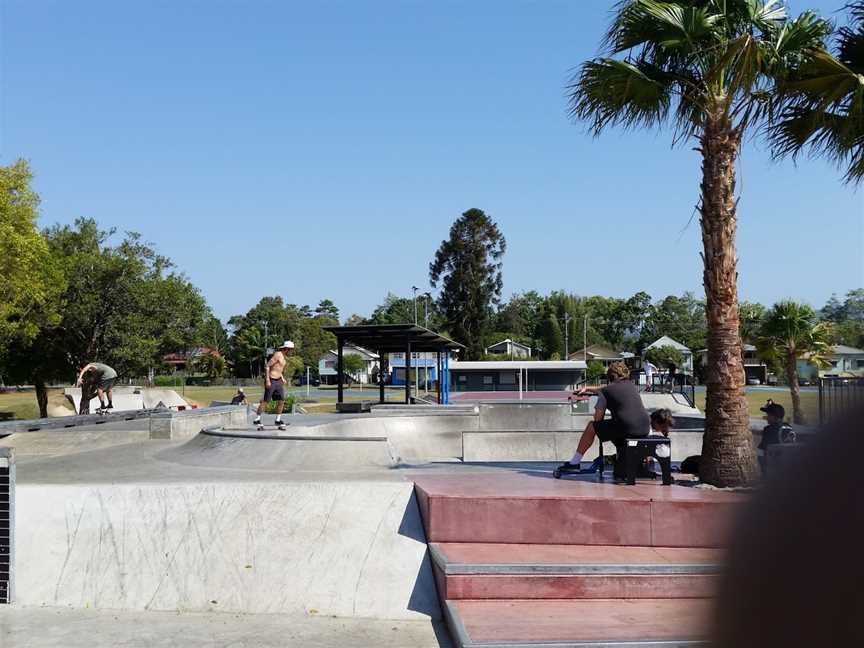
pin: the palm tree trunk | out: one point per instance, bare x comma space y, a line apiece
794, 389
728, 458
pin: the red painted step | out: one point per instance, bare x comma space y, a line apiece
536, 509
530, 571
499, 624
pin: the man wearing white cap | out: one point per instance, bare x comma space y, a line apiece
274, 383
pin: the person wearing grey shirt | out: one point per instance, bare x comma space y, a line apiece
103, 378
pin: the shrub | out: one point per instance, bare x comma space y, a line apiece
168, 381
270, 407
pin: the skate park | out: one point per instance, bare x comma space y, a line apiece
420, 524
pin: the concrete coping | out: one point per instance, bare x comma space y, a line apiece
243, 434
195, 413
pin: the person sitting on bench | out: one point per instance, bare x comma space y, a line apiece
629, 418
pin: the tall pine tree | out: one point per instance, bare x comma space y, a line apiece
468, 267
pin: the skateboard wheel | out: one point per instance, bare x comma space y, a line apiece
557, 473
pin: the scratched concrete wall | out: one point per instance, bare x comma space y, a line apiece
349, 549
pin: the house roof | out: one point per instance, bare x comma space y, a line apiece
492, 365
842, 349
598, 351
667, 341
348, 347
508, 340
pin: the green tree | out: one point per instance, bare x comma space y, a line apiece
468, 267
31, 283
353, 365
665, 356
824, 105
681, 318
595, 370
751, 315
789, 332
551, 337
711, 68
121, 305
328, 309
211, 365
394, 310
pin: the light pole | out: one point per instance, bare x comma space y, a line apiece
415, 289
266, 336
426, 296
566, 335
307, 382
585, 340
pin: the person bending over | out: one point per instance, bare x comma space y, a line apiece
274, 382
621, 398
100, 376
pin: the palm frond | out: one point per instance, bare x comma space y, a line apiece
608, 92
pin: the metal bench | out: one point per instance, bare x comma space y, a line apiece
632, 452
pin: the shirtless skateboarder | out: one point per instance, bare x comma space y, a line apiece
274, 384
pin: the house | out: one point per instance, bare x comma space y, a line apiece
504, 375
846, 362
327, 365
509, 348
181, 360
687, 354
422, 365
600, 353
755, 368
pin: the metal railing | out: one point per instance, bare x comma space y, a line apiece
839, 395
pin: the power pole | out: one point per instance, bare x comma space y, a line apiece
585, 339
266, 330
566, 335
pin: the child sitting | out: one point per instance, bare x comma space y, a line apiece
775, 432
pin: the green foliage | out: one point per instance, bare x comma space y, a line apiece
552, 340
293, 366
121, 305
790, 331
31, 282
353, 364
468, 267
823, 103
750, 317
174, 380
211, 365
271, 406
595, 370
665, 356
681, 318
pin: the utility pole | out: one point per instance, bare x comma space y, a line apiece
266, 330
585, 339
425, 361
566, 335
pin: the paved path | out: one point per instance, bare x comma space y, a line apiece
58, 627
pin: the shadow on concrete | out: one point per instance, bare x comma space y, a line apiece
424, 594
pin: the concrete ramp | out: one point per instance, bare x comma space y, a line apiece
281, 453
130, 398
677, 403
340, 548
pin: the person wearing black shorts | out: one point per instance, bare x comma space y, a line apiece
629, 418
274, 383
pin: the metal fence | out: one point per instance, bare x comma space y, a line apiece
838, 395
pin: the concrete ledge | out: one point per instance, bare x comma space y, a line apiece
59, 422
188, 423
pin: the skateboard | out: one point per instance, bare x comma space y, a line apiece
282, 427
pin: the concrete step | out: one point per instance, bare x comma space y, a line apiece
511, 571
534, 508
623, 623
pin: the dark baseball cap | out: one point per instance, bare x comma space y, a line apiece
774, 409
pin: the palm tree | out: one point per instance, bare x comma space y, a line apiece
710, 69
789, 332
824, 103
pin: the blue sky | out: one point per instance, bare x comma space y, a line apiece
323, 149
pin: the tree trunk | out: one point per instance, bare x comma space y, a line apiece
728, 458
88, 393
41, 398
794, 389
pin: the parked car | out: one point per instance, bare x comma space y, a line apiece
754, 381
301, 381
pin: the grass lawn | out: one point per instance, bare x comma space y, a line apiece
757, 399
22, 405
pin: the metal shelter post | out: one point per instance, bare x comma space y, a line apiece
381, 376
438, 375
340, 342
408, 373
